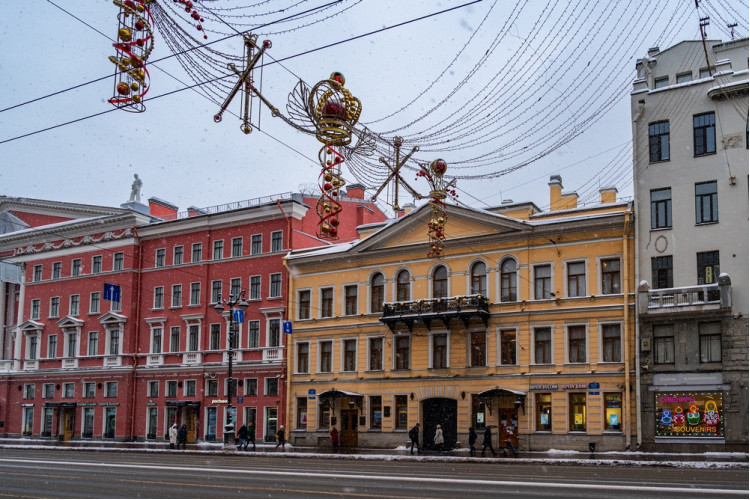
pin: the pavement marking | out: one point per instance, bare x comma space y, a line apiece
429, 479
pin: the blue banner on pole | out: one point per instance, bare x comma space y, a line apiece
287, 325
238, 315
112, 292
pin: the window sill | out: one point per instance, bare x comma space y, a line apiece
665, 228
658, 161
707, 223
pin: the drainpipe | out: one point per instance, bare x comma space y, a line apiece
637, 281
137, 332
626, 314
287, 366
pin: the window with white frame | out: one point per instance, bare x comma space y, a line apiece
54, 307
375, 353
274, 333
56, 270
479, 279
75, 305
303, 304
110, 389
576, 279
215, 291
349, 348
477, 348
275, 290
197, 252
255, 288
403, 286
218, 249
93, 343
113, 340
439, 282
176, 295
303, 357
195, 294
193, 338
325, 356
75, 267
610, 272
37, 273
253, 334
156, 340
174, 339
215, 337
326, 302
377, 292
577, 343
542, 281
542, 346
237, 247
190, 388
611, 343
272, 386
401, 352
32, 347
160, 259
69, 390
350, 300
48, 391
159, 297
508, 288
153, 389
171, 391
439, 350
177, 255
212, 387
89, 390
29, 391
52, 346
251, 387
96, 264
71, 345
256, 244
35, 308
277, 243
235, 287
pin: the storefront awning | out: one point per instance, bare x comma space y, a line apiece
183, 404
519, 397
330, 396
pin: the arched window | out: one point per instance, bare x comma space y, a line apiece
508, 291
403, 286
439, 282
377, 293
479, 279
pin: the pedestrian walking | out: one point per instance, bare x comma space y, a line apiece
242, 436
173, 436
414, 436
438, 440
509, 442
280, 438
334, 438
251, 434
472, 440
182, 437
487, 441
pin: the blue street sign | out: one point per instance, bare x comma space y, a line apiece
311, 391
240, 400
238, 315
288, 327
112, 292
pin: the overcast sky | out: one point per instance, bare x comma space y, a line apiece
507, 93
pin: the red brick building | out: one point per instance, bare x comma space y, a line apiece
79, 361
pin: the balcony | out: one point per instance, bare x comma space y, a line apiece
110, 361
236, 356
154, 360
191, 358
691, 299
443, 310
273, 354
69, 363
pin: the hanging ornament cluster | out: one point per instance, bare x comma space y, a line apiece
334, 113
135, 41
440, 190
193, 14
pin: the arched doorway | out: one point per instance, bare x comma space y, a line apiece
441, 411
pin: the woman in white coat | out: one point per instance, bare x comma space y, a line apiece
439, 439
173, 435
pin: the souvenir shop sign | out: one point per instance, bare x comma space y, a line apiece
689, 413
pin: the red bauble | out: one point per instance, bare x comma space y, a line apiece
334, 222
139, 25
123, 89
334, 109
327, 186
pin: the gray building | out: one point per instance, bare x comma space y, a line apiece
689, 109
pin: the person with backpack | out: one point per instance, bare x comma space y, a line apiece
414, 436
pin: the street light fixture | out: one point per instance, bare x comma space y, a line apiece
235, 303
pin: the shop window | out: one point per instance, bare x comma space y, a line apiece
301, 413
544, 412
577, 411
613, 411
324, 416
710, 342
689, 415
478, 414
376, 412
402, 412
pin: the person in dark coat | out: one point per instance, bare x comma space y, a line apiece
182, 437
334, 438
509, 442
251, 434
472, 440
242, 436
280, 438
414, 436
487, 442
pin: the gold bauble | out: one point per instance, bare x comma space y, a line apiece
134, 86
124, 34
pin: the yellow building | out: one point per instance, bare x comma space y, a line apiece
526, 320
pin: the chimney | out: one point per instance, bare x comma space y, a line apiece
355, 191
653, 51
608, 195
162, 209
555, 192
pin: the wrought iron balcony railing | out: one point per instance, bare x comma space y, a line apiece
443, 309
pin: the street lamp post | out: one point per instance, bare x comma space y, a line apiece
235, 303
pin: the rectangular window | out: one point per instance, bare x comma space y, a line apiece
38, 272
710, 342
28, 391
663, 344
212, 387
277, 244
577, 407
255, 288
75, 269
542, 346
706, 72
440, 350
110, 390
326, 351
35, 308
48, 391
577, 344
114, 341
71, 348
159, 297
658, 141
197, 250
478, 346
94, 304
661, 82
704, 134
153, 389
274, 333
235, 287
303, 357
350, 300
118, 261
236, 247
218, 249
96, 264
610, 276
56, 270
543, 282
326, 302
576, 279
52, 347
193, 334
544, 412
402, 347
161, 255
661, 208
174, 339
89, 390
75, 305
706, 203
69, 390
177, 255
508, 347
708, 267
93, 343
215, 291
256, 244
195, 294
215, 337
190, 388
251, 387
32, 354
253, 334
275, 285
611, 344
171, 389
375, 345
272, 386
612, 411
176, 295
402, 412
376, 412
661, 271
301, 413
156, 340
350, 355
303, 304
684, 77
54, 307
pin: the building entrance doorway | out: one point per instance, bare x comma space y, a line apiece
507, 417
68, 421
444, 412
348, 434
